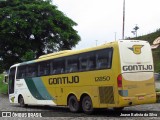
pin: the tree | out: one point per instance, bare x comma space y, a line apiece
33, 25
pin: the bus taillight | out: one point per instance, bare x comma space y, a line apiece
119, 80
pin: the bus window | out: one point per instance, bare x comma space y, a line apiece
110, 52
91, 62
83, 63
32, 70
11, 80
44, 68
58, 66
87, 61
21, 72
104, 59
72, 64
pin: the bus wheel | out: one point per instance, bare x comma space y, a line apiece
73, 104
87, 105
21, 101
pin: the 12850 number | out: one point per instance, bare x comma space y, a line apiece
102, 78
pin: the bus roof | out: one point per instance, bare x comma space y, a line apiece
73, 52
55, 54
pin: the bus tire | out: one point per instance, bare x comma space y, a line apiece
21, 101
73, 104
87, 105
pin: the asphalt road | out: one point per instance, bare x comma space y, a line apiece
49, 112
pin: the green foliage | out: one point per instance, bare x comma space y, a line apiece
157, 90
1, 66
156, 59
149, 37
33, 25
3, 87
29, 55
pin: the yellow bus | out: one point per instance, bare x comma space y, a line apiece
114, 75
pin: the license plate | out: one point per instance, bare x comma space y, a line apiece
140, 97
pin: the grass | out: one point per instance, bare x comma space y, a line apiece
3, 87
157, 90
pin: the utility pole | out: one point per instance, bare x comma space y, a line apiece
96, 42
115, 36
123, 19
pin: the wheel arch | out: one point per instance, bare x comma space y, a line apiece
79, 98
83, 95
69, 95
86, 97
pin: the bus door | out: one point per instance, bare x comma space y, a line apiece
12, 80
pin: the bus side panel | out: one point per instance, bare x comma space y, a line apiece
33, 92
21, 89
88, 83
100, 85
92, 91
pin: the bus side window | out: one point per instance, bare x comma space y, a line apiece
91, 62
32, 70
44, 68
104, 59
58, 66
83, 63
87, 61
21, 72
72, 64
110, 53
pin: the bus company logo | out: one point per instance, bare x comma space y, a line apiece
12, 99
136, 49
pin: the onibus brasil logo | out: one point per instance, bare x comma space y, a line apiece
136, 49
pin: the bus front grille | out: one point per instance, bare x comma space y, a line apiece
106, 95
